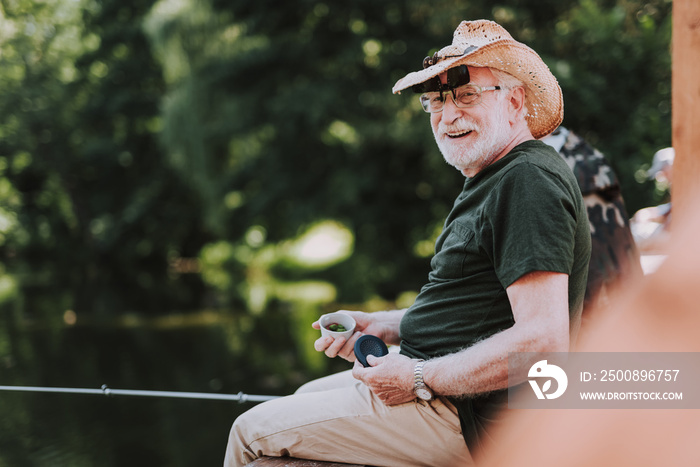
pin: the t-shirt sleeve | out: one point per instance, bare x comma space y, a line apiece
533, 222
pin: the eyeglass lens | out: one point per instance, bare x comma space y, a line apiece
464, 96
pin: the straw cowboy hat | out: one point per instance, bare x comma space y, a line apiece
484, 43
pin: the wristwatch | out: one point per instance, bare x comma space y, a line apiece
421, 389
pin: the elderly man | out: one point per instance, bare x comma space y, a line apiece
508, 276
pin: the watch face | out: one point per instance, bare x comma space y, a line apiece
424, 394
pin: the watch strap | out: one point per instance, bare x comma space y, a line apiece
419, 387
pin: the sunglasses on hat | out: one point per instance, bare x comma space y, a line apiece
456, 77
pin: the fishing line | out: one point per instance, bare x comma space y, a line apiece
106, 391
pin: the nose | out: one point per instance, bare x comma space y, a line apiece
450, 111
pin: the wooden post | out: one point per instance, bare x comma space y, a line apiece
686, 103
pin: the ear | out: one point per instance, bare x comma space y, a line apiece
516, 104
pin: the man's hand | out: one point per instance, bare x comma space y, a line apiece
340, 347
384, 325
390, 377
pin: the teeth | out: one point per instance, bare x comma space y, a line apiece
457, 135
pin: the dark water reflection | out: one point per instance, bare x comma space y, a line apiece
220, 352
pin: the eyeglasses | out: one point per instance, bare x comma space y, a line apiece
434, 93
465, 96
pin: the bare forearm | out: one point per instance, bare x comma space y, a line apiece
389, 323
539, 301
484, 366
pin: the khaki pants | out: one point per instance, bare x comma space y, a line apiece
339, 419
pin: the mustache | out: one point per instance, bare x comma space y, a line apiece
460, 125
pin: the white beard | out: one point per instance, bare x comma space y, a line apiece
484, 144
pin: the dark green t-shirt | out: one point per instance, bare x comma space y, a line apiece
523, 213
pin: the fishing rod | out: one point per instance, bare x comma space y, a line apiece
106, 391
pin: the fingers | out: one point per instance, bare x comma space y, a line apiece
372, 360
358, 371
384, 389
338, 347
322, 343
396, 397
348, 351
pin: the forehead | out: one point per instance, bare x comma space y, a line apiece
479, 75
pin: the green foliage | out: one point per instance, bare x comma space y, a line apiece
138, 134
288, 112
168, 155
252, 273
100, 213
614, 66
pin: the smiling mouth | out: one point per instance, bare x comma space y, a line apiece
458, 135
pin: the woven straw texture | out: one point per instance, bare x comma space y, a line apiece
484, 43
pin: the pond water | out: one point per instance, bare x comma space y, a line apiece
207, 351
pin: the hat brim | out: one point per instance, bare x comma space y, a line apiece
543, 96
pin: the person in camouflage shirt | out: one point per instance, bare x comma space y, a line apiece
614, 255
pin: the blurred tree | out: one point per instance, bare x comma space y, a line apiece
101, 215
281, 116
270, 117
140, 135
613, 62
